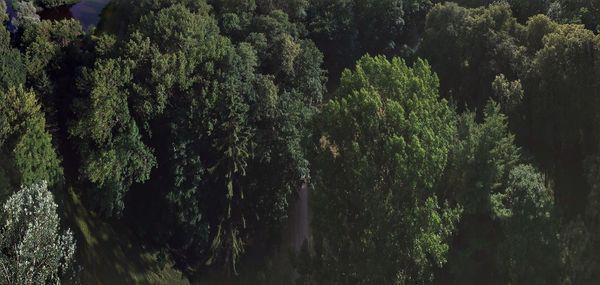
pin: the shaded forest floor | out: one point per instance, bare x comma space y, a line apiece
109, 253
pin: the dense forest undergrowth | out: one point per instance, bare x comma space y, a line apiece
187, 142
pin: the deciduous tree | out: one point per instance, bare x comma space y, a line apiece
32, 248
381, 145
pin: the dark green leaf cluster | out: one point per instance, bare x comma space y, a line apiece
347, 29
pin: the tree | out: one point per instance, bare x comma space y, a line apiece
510, 93
530, 251
12, 69
384, 26
536, 29
562, 96
235, 168
111, 147
506, 206
25, 14
167, 59
24, 140
522, 10
479, 164
577, 12
175, 51
332, 26
234, 15
46, 50
4, 33
232, 138
3, 15
32, 249
380, 146
233, 147
347, 29
479, 44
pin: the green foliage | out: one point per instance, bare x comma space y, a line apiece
522, 10
166, 55
25, 14
12, 69
538, 27
23, 138
507, 207
481, 160
586, 12
35, 157
563, 90
478, 44
231, 140
245, 147
510, 93
479, 166
42, 44
543, 75
111, 147
227, 119
48, 48
381, 145
107, 106
226, 154
59, 33
235, 15
529, 253
32, 250
173, 52
217, 106
4, 33
177, 29
5, 39
541, 59
346, 29
3, 12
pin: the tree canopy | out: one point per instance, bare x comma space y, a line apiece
404, 141
387, 122
25, 145
33, 251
